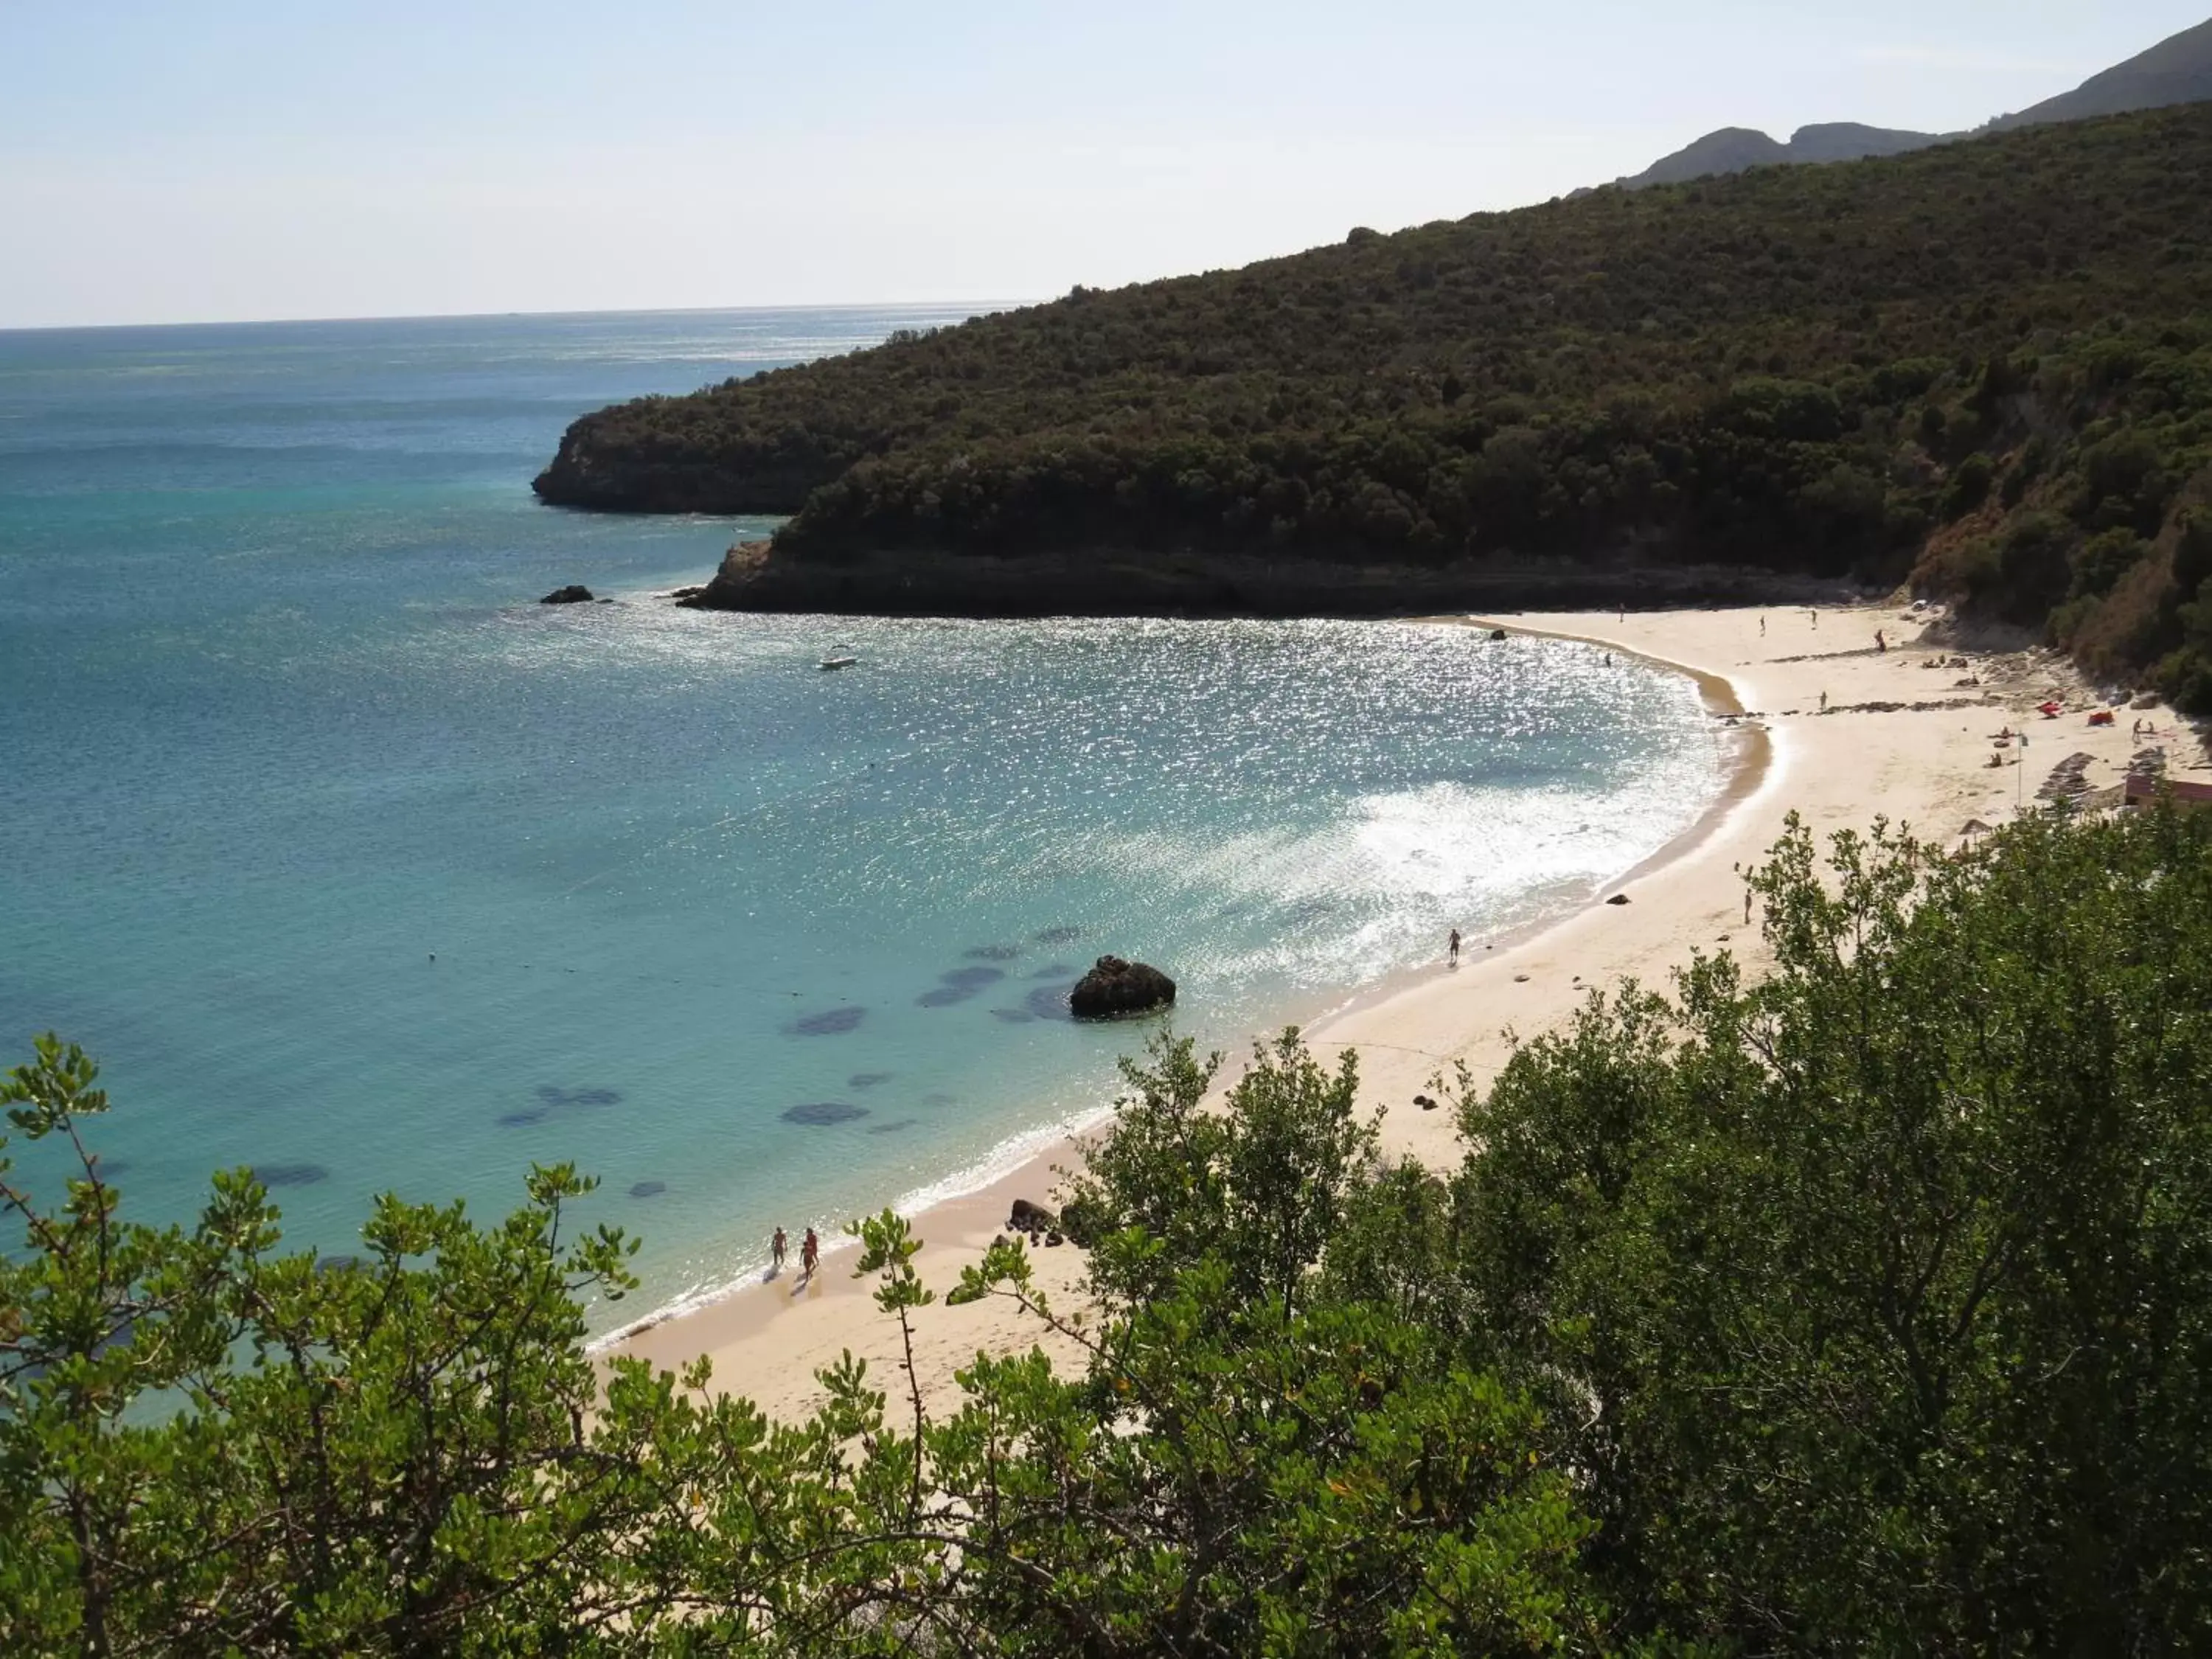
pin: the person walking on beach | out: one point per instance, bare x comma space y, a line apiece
1824, 703
1762, 628
1880, 645
1455, 947
777, 1247
810, 1253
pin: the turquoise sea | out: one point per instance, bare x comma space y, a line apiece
352, 863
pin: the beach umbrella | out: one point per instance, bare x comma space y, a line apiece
1975, 827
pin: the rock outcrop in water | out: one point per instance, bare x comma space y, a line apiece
1114, 987
573, 593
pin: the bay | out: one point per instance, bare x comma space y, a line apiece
354, 864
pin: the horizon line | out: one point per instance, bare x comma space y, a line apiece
496, 316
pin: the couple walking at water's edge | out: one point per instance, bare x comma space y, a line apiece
810, 1257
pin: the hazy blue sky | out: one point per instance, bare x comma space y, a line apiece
164, 160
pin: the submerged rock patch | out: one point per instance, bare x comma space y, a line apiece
1048, 1002
290, 1175
648, 1189
943, 996
993, 952
974, 978
1059, 935
866, 1079
830, 1021
555, 1095
1013, 1016
825, 1111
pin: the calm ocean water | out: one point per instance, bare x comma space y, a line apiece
353, 864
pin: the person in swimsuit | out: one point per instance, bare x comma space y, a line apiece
809, 1253
777, 1247
1455, 947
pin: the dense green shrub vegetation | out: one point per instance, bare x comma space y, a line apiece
1864, 1308
1979, 364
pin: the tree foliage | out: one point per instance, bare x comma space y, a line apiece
1866, 1307
1883, 1287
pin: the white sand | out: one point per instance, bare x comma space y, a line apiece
1928, 769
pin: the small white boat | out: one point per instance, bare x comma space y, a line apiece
828, 662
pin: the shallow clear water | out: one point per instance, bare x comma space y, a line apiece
352, 863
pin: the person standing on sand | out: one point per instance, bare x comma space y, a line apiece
776, 1246
1746, 910
810, 1253
1453, 953
1880, 645
1762, 628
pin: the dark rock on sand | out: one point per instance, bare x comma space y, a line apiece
825, 1111
1114, 987
575, 593
1027, 1218
830, 1021
1618, 898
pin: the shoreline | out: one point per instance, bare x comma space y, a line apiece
1905, 757
742, 1311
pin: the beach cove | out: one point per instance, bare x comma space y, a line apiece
1835, 728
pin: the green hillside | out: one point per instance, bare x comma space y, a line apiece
1988, 364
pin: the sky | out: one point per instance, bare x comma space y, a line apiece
227, 161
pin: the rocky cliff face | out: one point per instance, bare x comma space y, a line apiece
758, 576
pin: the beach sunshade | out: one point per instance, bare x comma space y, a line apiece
1975, 827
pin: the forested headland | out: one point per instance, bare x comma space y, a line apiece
1986, 368
1865, 1308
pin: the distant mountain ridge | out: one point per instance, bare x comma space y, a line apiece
2177, 71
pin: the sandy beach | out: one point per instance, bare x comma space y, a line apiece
1828, 725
